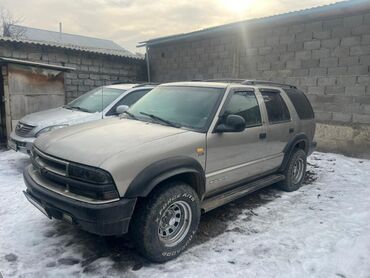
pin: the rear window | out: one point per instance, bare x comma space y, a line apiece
300, 103
277, 111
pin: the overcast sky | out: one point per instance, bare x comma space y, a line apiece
128, 22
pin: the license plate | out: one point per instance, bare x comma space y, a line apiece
12, 145
36, 204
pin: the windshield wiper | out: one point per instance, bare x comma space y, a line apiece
77, 108
131, 115
154, 117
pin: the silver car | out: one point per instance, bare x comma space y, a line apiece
183, 149
99, 103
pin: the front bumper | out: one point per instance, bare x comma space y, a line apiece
101, 219
21, 144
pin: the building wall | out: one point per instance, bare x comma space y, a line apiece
92, 69
329, 58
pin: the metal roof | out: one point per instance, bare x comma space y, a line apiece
64, 38
335, 9
35, 64
68, 41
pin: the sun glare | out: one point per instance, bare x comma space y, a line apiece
237, 5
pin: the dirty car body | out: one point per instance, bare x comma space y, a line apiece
94, 105
213, 141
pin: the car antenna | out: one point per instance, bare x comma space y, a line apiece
102, 100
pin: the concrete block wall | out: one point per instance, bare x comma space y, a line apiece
92, 70
328, 58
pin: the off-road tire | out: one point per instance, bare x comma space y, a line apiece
150, 212
290, 184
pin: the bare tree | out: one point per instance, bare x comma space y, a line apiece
9, 24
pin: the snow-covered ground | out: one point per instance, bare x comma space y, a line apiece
322, 230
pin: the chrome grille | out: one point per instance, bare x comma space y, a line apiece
51, 173
23, 129
52, 164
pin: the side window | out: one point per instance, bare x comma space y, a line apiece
300, 103
131, 98
245, 104
277, 111
128, 100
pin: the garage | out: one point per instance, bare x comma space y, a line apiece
27, 87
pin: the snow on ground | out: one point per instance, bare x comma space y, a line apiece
321, 230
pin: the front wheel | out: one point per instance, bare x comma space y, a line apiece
164, 223
295, 171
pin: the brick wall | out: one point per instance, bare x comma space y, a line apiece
329, 58
92, 69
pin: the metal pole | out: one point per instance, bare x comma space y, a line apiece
147, 61
60, 30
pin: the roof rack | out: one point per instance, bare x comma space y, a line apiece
226, 80
265, 82
250, 82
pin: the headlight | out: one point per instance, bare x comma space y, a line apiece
49, 128
89, 174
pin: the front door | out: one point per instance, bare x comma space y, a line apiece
234, 156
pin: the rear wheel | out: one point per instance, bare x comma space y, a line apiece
295, 171
164, 223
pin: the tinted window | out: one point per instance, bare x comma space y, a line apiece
277, 110
245, 104
128, 100
300, 103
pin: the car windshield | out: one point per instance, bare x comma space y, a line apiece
178, 106
95, 100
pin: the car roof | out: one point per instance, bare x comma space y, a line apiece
197, 84
125, 86
205, 84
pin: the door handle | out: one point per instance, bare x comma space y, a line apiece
263, 135
291, 130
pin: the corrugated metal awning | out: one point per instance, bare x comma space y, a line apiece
103, 51
35, 64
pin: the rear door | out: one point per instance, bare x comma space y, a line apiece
234, 156
280, 126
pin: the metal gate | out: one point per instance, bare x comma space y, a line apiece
27, 87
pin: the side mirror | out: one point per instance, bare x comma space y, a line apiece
233, 123
122, 109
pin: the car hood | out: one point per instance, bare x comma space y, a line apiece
94, 142
57, 116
